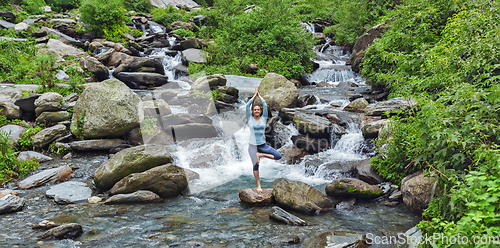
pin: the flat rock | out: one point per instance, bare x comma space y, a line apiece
166, 3
45, 225
194, 130
7, 192
66, 231
48, 97
47, 176
6, 24
11, 203
26, 155
283, 216
69, 21
142, 78
47, 135
13, 132
389, 106
64, 50
64, 38
53, 117
69, 192
195, 55
337, 239
140, 196
252, 196
98, 144
48, 107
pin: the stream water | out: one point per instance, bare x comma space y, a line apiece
211, 212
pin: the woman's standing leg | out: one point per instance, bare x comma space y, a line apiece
252, 150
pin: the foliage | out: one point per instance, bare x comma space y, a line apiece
44, 63
217, 95
445, 54
136, 32
269, 36
4, 3
143, 6
149, 126
10, 167
33, 7
16, 61
77, 127
63, 4
185, 33
166, 16
104, 18
25, 140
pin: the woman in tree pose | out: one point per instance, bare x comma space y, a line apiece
256, 118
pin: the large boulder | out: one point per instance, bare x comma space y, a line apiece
418, 190
312, 125
278, 91
64, 50
140, 196
166, 181
363, 42
107, 109
134, 79
389, 106
301, 197
366, 173
47, 135
357, 105
193, 130
208, 82
132, 160
93, 65
253, 197
194, 55
352, 187
48, 98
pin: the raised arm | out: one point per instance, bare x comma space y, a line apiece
248, 109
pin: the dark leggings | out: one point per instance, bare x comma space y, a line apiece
264, 148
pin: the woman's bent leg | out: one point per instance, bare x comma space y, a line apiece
268, 152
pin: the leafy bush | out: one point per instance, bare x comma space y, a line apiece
143, 6
25, 140
105, 18
63, 4
185, 33
44, 64
10, 167
18, 60
33, 7
168, 15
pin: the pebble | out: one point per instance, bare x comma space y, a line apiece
94, 199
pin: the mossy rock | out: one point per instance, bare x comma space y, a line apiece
351, 187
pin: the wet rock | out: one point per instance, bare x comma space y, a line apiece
133, 160
99, 144
390, 106
154, 108
69, 192
26, 155
48, 97
93, 65
53, 117
48, 107
142, 78
309, 145
346, 204
418, 190
367, 174
10, 110
292, 154
228, 90
278, 91
312, 125
11, 203
167, 181
94, 199
395, 195
45, 225
351, 187
357, 105
193, 130
7, 192
283, 241
47, 135
66, 231
346, 84
63, 50
338, 239
191, 175
27, 103
193, 43
207, 83
140, 196
108, 109
301, 197
414, 234
283, 216
329, 169
184, 118
253, 197
194, 55
13, 132
372, 129
305, 99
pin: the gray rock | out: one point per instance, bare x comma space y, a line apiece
68, 21
93, 65
206, 83
191, 175
351, 187
389, 106
48, 97
11, 203
310, 145
166, 181
68, 105
62, 49
21, 27
46, 9
47, 135
283, 216
71, 97
337, 239
414, 234
30, 22
292, 154
66, 231
367, 174
312, 125
100, 144
26, 155
10, 94
357, 105
183, 118
301, 197
166, 3
69, 192
154, 108
132, 160
47, 176
278, 91
253, 197
48, 107
140, 196
372, 129
10, 110
13, 39
107, 109
418, 190
13, 132
6, 24
61, 75
53, 117
64, 38
142, 78
27, 103
194, 55
193, 130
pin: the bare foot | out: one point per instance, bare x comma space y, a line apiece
259, 189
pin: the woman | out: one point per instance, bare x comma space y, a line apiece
256, 119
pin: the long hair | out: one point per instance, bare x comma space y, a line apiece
260, 106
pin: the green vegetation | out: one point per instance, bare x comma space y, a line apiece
33, 7
143, 6
185, 33
104, 18
149, 126
445, 54
168, 15
10, 167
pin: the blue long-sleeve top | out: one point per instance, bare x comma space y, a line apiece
257, 129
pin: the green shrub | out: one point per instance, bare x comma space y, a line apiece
10, 167
63, 4
25, 140
44, 64
185, 33
104, 18
143, 6
32, 7
166, 16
